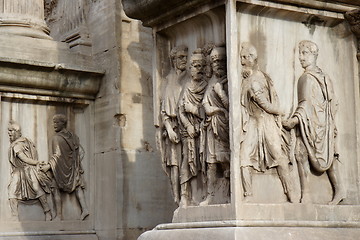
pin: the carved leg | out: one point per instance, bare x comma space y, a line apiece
14, 208
335, 180
284, 175
79, 192
194, 189
304, 171
211, 182
175, 183
58, 206
185, 194
246, 180
45, 206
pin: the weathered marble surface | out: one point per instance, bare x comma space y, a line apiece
110, 107
275, 28
254, 233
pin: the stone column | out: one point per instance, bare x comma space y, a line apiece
23, 17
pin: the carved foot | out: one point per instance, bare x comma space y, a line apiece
84, 214
208, 201
184, 202
247, 197
338, 198
56, 219
14, 218
306, 198
48, 216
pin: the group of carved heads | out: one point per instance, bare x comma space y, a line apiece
199, 121
189, 105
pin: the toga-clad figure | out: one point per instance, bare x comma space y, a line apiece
27, 182
170, 94
314, 119
215, 147
261, 145
65, 165
191, 115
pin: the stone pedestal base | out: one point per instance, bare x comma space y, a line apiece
224, 231
52, 236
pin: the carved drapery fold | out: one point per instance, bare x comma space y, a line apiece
23, 17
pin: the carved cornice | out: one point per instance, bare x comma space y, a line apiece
353, 18
154, 12
49, 79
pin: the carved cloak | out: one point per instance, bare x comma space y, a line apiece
170, 94
261, 142
217, 149
192, 94
316, 113
66, 162
26, 181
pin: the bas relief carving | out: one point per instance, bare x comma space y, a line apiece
27, 181
261, 146
171, 145
307, 138
195, 130
65, 165
194, 109
32, 179
191, 115
216, 149
314, 121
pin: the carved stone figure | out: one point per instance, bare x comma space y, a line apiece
314, 119
207, 51
171, 89
191, 115
65, 165
27, 182
261, 145
215, 145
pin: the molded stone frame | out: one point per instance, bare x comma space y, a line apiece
275, 28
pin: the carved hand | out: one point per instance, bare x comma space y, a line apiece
218, 89
290, 123
191, 131
173, 136
190, 108
44, 167
212, 110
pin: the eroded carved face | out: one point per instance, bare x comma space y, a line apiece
248, 58
218, 64
306, 57
13, 134
197, 69
58, 125
181, 60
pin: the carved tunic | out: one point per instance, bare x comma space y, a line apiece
26, 182
316, 111
169, 112
261, 143
66, 162
216, 145
192, 95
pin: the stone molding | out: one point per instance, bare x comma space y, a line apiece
27, 20
50, 79
148, 11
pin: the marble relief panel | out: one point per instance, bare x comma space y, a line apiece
46, 157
